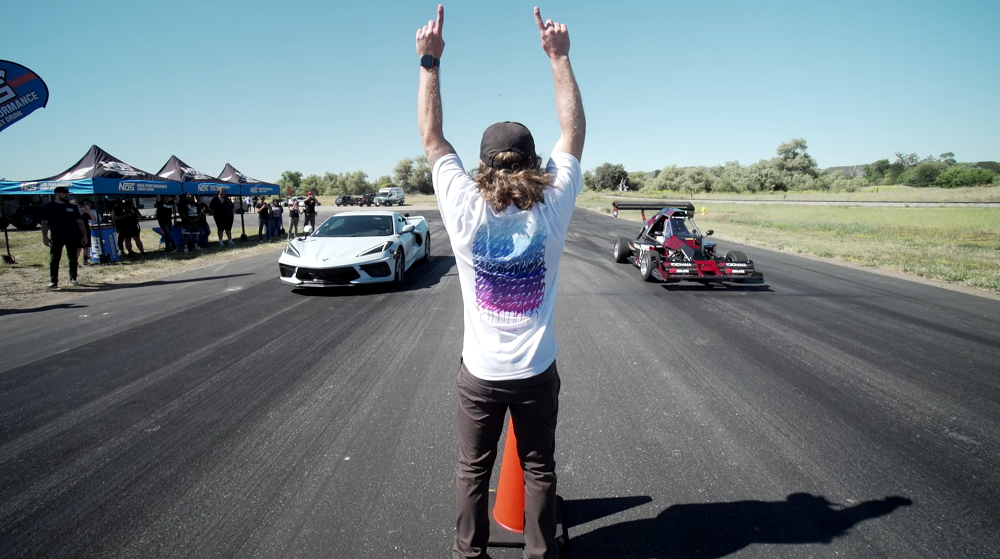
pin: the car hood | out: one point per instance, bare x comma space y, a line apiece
332, 251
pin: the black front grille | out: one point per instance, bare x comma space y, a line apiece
328, 275
377, 270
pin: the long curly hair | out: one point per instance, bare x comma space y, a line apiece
522, 186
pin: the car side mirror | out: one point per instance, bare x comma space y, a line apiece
307, 229
408, 228
709, 232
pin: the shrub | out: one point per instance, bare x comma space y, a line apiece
961, 174
923, 174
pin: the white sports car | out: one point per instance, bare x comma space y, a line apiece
356, 248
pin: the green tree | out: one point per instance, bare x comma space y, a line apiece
962, 174
875, 172
421, 180
637, 180
313, 183
924, 173
608, 176
402, 174
383, 181
794, 158
292, 179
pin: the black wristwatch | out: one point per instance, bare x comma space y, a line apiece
428, 61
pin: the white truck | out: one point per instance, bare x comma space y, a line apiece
389, 195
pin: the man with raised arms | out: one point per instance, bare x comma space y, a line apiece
508, 229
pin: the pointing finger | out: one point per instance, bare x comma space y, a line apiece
440, 21
538, 19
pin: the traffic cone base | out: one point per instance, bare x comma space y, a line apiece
501, 537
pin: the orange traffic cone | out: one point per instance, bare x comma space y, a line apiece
508, 512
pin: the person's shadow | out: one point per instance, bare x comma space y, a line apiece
709, 530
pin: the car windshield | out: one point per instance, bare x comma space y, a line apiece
680, 229
355, 226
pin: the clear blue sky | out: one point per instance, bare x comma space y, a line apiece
331, 85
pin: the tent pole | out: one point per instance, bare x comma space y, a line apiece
7, 258
243, 236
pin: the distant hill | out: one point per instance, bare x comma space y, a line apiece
849, 170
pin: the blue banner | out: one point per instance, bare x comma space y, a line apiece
21, 93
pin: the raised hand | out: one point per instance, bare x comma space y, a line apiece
429, 39
555, 36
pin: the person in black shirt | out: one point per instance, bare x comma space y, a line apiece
187, 209
263, 220
126, 217
222, 208
63, 221
203, 213
165, 217
88, 215
310, 204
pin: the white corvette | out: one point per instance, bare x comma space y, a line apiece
356, 248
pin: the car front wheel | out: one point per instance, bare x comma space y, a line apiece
427, 247
646, 267
400, 267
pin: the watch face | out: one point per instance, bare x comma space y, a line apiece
427, 61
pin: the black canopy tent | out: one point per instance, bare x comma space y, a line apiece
248, 185
97, 173
200, 184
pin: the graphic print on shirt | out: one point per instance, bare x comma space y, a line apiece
509, 259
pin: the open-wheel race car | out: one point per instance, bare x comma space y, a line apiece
671, 248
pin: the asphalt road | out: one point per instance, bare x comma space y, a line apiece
831, 413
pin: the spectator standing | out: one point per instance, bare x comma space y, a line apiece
165, 218
263, 220
276, 212
89, 217
223, 210
189, 213
509, 349
293, 217
310, 213
126, 218
203, 229
62, 227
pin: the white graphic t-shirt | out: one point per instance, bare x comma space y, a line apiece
508, 265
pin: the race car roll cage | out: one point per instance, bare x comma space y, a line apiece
682, 243
683, 254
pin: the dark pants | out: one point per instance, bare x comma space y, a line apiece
168, 234
55, 254
310, 220
482, 407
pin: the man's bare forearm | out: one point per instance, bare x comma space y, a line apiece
430, 117
569, 106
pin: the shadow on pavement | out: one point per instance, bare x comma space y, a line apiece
421, 275
91, 287
711, 530
720, 287
4, 312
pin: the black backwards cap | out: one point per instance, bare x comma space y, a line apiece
508, 136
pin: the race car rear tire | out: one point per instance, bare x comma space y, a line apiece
427, 247
622, 252
646, 267
736, 256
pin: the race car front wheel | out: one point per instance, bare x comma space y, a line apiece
622, 251
736, 256
646, 267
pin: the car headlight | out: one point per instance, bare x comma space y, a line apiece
377, 248
291, 251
